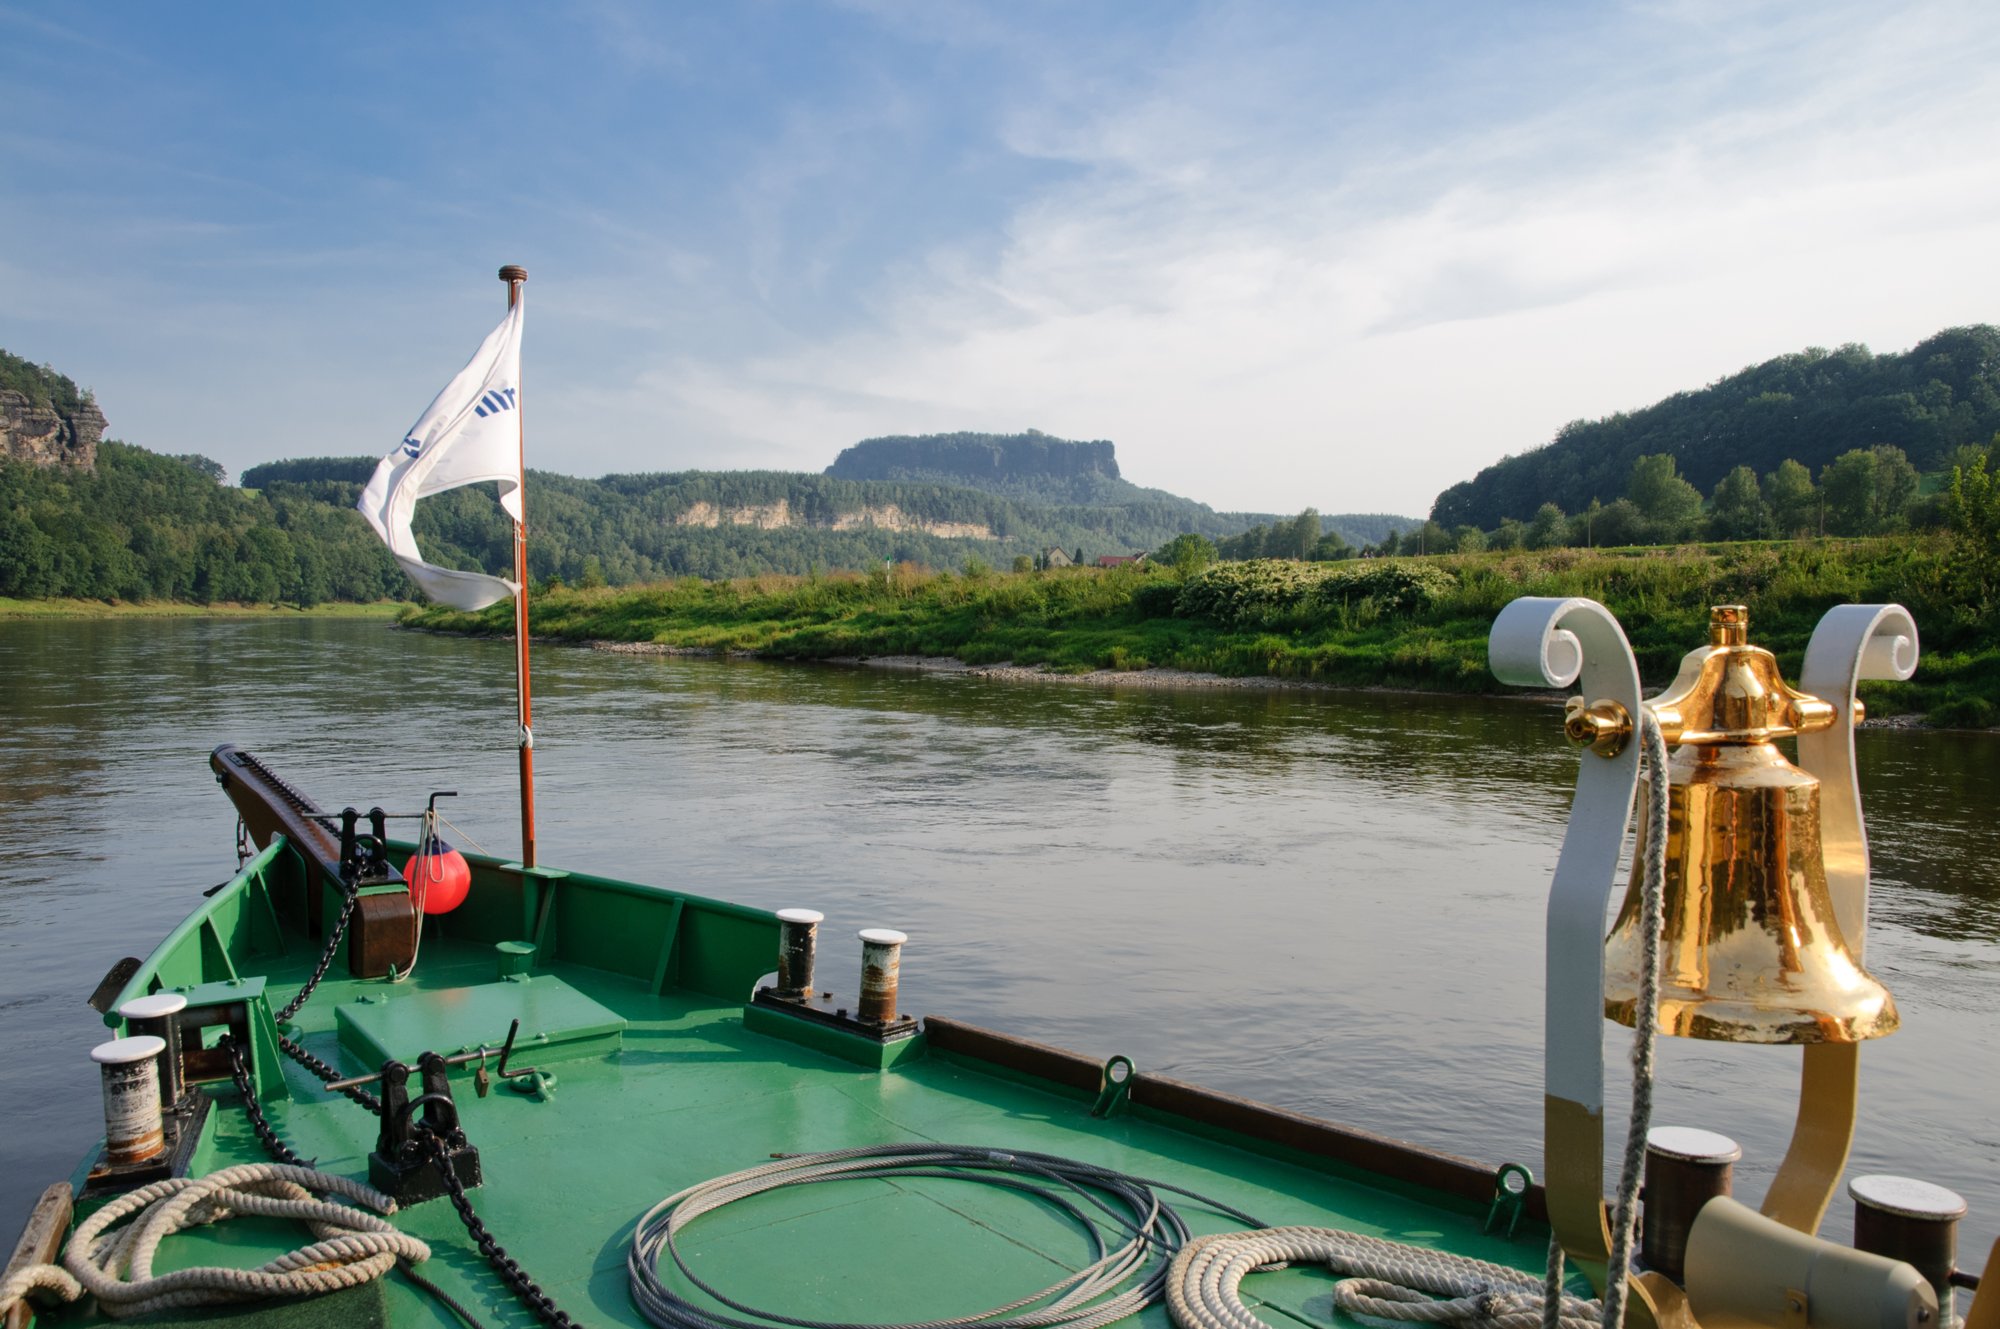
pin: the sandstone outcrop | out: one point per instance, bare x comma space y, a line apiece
43, 436
775, 516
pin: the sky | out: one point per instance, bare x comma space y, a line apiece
1281, 254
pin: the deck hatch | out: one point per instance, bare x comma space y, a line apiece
557, 1022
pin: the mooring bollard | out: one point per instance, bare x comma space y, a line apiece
798, 937
881, 958
131, 1071
1913, 1221
1685, 1169
159, 1015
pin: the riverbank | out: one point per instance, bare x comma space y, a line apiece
1402, 624
59, 608
1161, 679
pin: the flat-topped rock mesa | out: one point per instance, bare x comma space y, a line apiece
45, 436
977, 459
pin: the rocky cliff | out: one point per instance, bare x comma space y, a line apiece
778, 515
44, 436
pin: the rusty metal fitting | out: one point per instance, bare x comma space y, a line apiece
1685, 1169
131, 1072
881, 959
1912, 1221
159, 1015
798, 937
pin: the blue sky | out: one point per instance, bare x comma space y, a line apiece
1337, 254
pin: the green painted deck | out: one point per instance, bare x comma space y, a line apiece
691, 1093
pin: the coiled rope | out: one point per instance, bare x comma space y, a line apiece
352, 1246
1392, 1281
1126, 1206
1387, 1280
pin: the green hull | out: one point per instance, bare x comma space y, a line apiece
665, 1077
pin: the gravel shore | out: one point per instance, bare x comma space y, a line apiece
1163, 679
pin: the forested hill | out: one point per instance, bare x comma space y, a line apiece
120, 522
1811, 407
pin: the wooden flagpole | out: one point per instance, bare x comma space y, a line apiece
514, 275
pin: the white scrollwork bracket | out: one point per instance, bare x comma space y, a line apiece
1851, 643
1546, 642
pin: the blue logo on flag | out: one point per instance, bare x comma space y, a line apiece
414, 448
494, 402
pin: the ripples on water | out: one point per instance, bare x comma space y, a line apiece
1330, 902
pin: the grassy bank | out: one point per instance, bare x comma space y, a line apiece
1411, 623
58, 608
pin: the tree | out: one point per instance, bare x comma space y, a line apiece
309, 585
27, 558
1670, 504
1186, 554
1468, 539
1791, 499
1332, 547
1896, 483
1583, 526
1738, 507
1023, 563
1867, 491
592, 575
1975, 513
1549, 528
1301, 535
1620, 523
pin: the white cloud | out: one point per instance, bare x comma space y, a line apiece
1263, 326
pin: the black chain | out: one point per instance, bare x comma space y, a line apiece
496, 1255
511, 1273
327, 1074
325, 959
410, 1272
255, 1110
278, 1150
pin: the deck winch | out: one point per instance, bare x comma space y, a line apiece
1761, 869
404, 1166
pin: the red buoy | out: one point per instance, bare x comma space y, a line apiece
439, 878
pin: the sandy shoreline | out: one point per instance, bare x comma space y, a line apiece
1160, 679
1131, 678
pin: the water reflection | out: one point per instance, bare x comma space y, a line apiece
1330, 901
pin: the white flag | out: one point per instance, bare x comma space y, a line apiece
470, 433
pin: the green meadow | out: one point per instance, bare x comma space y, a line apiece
1402, 623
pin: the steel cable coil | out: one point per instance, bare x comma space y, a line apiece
1134, 1235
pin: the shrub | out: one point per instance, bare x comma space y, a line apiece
1276, 593
1155, 599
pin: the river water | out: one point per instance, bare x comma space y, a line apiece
1333, 902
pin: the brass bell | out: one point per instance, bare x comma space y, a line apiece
1751, 951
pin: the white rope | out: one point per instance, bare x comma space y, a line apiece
1383, 1279
1625, 1211
429, 871
352, 1246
